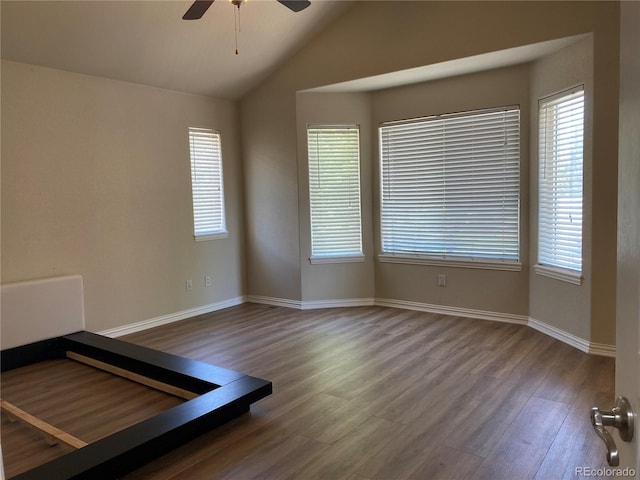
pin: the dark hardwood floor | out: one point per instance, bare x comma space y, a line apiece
381, 393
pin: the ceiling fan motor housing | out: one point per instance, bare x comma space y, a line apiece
199, 7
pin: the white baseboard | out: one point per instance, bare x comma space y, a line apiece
455, 311
276, 302
573, 340
342, 302
170, 318
558, 334
602, 349
311, 304
554, 332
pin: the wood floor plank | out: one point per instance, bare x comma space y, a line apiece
339, 423
489, 410
351, 451
282, 461
425, 374
522, 448
375, 393
574, 445
440, 462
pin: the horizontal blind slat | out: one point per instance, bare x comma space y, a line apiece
450, 185
206, 181
334, 190
561, 138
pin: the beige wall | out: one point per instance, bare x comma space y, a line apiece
379, 37
95, 173
480, 289
588, 311
336, 281
606, 77
96, 182
271, 186
561, 304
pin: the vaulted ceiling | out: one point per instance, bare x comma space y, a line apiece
147, 42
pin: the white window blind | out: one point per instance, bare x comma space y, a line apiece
450, 187
334, 192
561, 136
206, 184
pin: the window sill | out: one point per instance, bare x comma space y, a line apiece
358, 258
451, 262
564, 275
210, 236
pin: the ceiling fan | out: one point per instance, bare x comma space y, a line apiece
199, 7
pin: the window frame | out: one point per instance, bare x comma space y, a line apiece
347, 256
543, 266
444, 258
198, 196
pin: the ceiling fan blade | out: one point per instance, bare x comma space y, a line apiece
197, 10
295, 5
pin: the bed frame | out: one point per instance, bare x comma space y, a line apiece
214, 396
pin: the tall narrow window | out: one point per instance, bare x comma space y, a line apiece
206, 184
560, 171
450, 189
334, 193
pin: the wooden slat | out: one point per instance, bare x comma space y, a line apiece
121, 372
51, 433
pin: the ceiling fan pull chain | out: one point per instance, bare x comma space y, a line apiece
236, 24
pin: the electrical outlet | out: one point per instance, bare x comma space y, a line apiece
207, 281
188, 285
442, 280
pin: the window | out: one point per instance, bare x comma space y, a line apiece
206, 184
334, 193
561, 138
450, 189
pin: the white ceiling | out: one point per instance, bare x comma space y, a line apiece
147, 42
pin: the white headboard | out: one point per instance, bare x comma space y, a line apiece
40, 309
